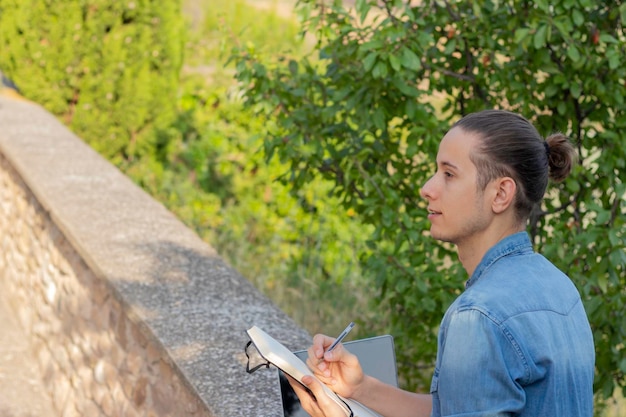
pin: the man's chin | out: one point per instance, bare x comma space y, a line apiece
441, 236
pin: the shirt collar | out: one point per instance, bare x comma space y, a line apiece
514, 244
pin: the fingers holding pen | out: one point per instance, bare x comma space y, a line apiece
324, 345
320, 356
334, 365
321, 343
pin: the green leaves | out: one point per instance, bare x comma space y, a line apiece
410, 60
521, 34
578, 17
541, 36
363, 8
369, 61
573, 53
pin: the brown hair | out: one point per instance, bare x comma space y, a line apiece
512, 147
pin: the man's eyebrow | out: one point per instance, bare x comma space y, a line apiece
448, 164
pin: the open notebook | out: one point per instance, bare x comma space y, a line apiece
376, 355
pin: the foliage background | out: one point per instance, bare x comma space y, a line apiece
348, 117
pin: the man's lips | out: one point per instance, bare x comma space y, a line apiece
433, 213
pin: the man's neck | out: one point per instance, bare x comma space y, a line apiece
472, 252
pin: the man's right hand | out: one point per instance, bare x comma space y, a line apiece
341, 372
339, 369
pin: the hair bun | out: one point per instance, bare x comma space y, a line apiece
561, 156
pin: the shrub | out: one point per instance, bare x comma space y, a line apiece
107, 68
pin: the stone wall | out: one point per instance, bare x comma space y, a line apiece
94, 358
128, 312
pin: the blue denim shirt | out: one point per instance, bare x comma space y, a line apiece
516, 342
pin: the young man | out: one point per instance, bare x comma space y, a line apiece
517, 341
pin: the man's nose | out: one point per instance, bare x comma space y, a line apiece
426, 190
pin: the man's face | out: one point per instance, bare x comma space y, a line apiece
457, 210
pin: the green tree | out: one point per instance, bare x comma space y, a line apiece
368, 111
107, 68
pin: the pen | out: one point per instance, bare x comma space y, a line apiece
341, 336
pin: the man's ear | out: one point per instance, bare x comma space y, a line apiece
505, 189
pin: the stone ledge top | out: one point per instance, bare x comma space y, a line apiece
188, 298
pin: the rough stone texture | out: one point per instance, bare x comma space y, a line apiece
127, 311
22, 392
